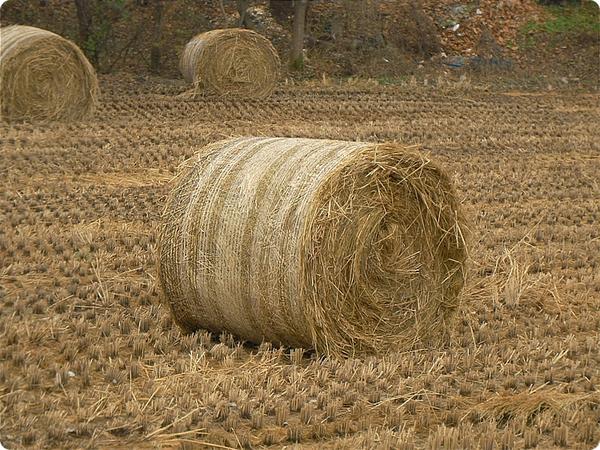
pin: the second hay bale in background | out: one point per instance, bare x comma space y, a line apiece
234, 62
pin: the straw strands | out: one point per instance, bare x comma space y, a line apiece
344, 247
525, 405
234, 62
44, 76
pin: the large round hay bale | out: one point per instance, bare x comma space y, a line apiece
233, 62
44, 76
344, 247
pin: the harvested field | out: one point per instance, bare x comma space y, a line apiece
88, 357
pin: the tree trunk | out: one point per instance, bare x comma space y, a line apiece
156, 37
84, 18
242, 7
296, 56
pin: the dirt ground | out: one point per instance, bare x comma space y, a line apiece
89, 358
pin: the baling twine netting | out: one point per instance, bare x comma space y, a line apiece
233, 62
344, 247
44, 76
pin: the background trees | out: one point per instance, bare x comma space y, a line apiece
96, 19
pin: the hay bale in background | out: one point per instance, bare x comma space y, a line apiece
233, 62
345, 247
44, 76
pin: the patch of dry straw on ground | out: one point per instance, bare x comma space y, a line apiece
132, 179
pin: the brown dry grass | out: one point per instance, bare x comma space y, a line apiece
88, 358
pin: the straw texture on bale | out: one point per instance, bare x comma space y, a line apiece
44, 76
343, 247
233, 62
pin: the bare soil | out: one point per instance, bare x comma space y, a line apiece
89, 358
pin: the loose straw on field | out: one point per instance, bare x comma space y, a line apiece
232, 62
345, 247
44, 76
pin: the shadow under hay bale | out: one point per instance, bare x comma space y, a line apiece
233, 62
345, 247
44, 76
